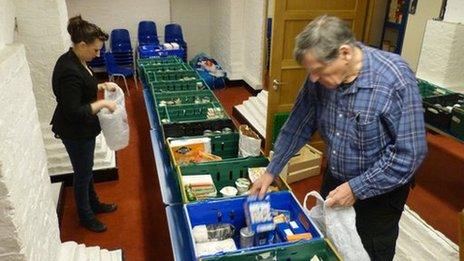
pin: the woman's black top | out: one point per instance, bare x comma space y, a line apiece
75, 88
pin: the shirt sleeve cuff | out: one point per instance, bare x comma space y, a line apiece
358, 187
274, 168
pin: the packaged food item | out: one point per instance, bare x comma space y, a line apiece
246, 237
228, 191
187, 150
242, 185
249, 143
198, 187
255, 173
213, 232
258, 214
213, 247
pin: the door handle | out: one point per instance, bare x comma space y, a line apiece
276, 84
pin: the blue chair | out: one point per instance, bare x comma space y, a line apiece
113, 69
147, 33
173, 33
120, 41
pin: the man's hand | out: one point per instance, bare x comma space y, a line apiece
260, 186
341, 196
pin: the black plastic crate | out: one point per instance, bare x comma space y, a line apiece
436, 113
196, 128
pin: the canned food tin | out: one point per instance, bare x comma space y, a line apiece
246, 237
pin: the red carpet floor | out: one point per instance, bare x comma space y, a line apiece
139, 225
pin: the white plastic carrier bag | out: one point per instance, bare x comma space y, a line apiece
339, 225
114, 125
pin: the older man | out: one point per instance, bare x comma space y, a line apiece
367, 107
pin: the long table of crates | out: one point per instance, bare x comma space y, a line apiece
166, 120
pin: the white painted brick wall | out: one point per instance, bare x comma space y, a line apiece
442, 55
42, 29
454, 11
28, 221
113, 14
220, 30
194, 17
253, 42
7, 11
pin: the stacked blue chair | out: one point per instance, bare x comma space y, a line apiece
173, 33
121, 48
114, 70
147, 33
98, 63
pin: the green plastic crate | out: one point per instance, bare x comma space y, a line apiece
428, 89
222, 145
176, 86
225, 172
159, 61
303, 250
184, 97
188, 112
171, 76
172, 67
279, 120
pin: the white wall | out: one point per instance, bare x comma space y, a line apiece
194, 17
454, 11
442, 54
253, 42
28, 221
114, 14
42, 30
7, 11
415, 28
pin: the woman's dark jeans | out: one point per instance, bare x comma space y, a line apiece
81, 153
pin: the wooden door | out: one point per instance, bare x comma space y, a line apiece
286, 76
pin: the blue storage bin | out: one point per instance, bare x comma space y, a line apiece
147, 51
231, 211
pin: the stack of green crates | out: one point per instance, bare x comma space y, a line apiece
145, 65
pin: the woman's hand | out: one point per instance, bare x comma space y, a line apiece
109, 86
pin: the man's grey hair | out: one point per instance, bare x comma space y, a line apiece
323, 36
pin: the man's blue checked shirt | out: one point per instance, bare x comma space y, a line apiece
374, 129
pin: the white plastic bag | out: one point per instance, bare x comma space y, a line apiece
249, 143
339, 224
114, 125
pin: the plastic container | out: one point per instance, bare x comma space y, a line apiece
190, 112
226, 172
195, 128
436, 113
175, 86
230, 210
153, 76
184, 97
159, 61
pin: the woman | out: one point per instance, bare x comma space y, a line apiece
75, 121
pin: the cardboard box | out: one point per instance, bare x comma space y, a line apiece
306, 163
291, 177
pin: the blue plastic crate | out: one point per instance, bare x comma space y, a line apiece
147, 51
231, 211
